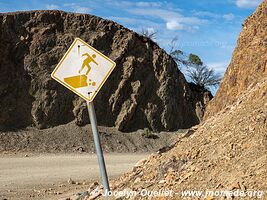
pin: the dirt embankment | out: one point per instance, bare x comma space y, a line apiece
72, 138
228, 152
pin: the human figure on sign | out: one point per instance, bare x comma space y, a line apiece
87, 61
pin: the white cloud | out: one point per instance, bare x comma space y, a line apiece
124, 20
122, 4
51, 7
173, 19
174, 25
229, 17
136, 24
205, 14
80, 9
148, 4
77, 8
69, 4
219, 67
248, 3
141, 4
160, 11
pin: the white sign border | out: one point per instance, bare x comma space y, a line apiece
72, 89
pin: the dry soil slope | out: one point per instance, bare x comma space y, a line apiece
249, 62
227, 152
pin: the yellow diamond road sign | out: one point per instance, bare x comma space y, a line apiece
83, 70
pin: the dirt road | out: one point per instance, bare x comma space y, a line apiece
46, 176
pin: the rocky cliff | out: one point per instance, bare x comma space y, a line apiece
249, 62
145, 90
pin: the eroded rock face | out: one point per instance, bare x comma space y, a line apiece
249, 62
201, 98
145, 90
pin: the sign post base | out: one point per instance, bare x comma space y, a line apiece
99, 152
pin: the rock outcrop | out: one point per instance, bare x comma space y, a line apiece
249, 62
145, 90
201, 98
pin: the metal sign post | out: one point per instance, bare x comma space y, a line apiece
99, 152
84, 70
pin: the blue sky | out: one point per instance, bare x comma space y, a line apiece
208, 28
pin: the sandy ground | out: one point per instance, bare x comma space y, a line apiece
46, 176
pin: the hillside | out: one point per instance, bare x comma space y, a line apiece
146, 89
227, 152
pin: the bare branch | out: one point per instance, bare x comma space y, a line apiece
172, 44
149, 34
203, 76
